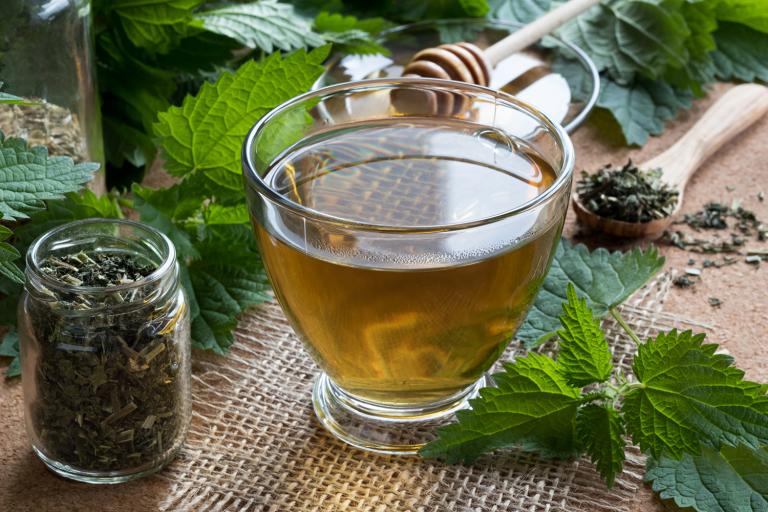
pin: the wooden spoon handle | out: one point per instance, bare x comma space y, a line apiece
737, 109
534, 31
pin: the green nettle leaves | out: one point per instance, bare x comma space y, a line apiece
266, 25
740, 53
605, 279
9, 254
205, 213
28, 178
690, 396
626, 37
689, 408
734, 479
532, 407
205, 134
600, 430
643, 107
584, 355
155, 25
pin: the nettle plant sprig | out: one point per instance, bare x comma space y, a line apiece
684, 404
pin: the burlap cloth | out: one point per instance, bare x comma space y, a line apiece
255, 444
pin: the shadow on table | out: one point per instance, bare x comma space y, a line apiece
33, 487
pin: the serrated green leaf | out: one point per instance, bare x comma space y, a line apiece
740, 54
9, 347
354, 35
74, 206
691, 397
518, 11
631, 37
206, 133
752, 13
735, 479
533, 407
8, 255
165, 210
218, 214
123, 142
28, 176
603, 278
643, 108
155, 25
227, 279
267, 25
584, 356
600, 431
429, 9
10, 99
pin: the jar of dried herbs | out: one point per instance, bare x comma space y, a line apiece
105, 350
46, 56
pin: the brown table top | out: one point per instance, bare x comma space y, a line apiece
738, 324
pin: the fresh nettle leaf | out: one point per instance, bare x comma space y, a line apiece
751, 13
28, 176
165, 210
205, 134
9, 347
155, 25
740, 53
688, 397
605, 279
730, 480
10, 99
584, 356
600, 430
266, 24
8, 255
630, 37
227, 279
354, 36
533, 407
519, 11
642, 108
75, 206
439, 9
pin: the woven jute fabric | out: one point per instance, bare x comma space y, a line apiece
255, 444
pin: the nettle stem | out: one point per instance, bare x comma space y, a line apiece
624, 325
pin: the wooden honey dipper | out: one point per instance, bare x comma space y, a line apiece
466, 62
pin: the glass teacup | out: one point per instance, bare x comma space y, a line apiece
406, 226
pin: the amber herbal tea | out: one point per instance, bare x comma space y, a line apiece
394, 321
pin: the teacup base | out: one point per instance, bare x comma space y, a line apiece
385, 429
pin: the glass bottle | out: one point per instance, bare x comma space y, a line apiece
46, 55
105, 370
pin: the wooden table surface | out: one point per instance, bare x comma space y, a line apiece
740, 323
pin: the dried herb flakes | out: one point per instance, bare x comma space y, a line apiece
627, 194
110, 388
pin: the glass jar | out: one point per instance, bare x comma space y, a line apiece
46, 54
105, 369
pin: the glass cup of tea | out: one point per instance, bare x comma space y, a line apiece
406, 226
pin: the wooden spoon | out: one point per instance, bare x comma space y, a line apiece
737, 109
465, 62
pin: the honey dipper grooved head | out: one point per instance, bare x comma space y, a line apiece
463, 62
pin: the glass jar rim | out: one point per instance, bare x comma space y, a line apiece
167, 265
253, 179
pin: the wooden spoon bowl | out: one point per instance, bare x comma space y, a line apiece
737, 109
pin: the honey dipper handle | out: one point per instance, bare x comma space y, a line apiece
534, 31
734, 111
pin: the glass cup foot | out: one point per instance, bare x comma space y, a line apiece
385, 429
